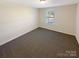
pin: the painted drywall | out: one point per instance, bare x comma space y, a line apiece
65, 19
16, 20
77, 23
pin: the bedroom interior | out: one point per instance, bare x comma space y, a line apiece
39, 28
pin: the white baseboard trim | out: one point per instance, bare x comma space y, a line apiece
58, 31
14, 37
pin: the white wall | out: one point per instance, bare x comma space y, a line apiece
16, 20
65, 19
77, 23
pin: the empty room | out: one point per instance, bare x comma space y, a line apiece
39, 28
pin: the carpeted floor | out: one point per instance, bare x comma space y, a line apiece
41, 43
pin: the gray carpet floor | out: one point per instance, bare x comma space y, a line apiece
41, 43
